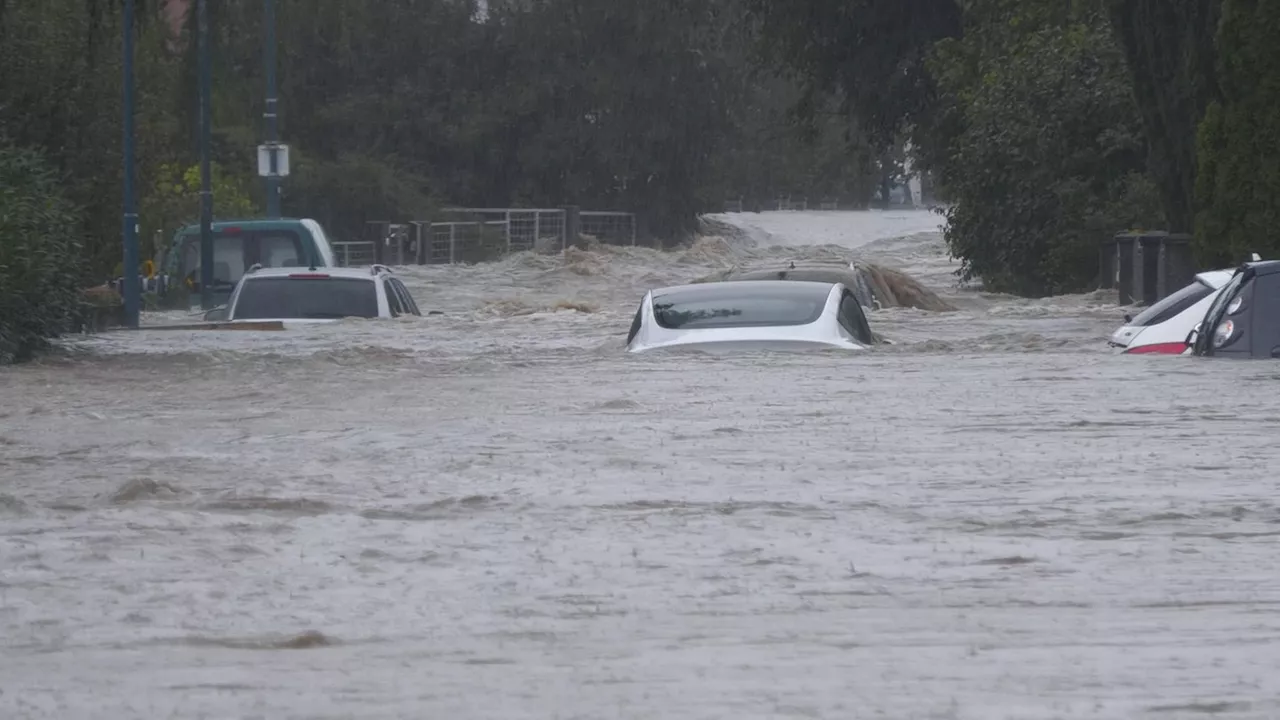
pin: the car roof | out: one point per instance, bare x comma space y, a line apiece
365, 273
803, 273
1264, 267
1215, 278
737, 287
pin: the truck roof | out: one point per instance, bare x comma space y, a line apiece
250, 224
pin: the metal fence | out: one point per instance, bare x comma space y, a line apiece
352, 254
610, 228
469, 235
522, 229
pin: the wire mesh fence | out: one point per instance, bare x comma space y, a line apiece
470, 235
523, 229
354, 254
611, 228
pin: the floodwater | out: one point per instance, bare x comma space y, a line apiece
495, 513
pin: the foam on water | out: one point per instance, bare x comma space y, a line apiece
495, 513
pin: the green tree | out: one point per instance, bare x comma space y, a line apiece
1239, 140
39, 254
1170, 52
1048, 158
873, 52
174, 200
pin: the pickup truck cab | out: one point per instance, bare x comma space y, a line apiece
302, 296
237, 245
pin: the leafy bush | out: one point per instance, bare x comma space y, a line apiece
1048, 157
39, 256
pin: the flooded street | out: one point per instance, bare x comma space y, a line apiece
496, 513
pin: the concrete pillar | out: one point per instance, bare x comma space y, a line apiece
1176, 268
1125, 263
572, 227
1107, 257
1146, 265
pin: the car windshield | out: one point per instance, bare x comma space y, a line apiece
728, 305
1216, 310
306, 298
1173, 305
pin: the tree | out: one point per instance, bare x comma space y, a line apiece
1239, 141
1170, 52
872, 51
1048, 157
39, 255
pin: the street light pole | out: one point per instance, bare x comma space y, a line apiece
131, 290
206, 191
269, 114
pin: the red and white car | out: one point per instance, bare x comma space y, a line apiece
1163, 327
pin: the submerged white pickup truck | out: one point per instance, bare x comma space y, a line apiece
315, 295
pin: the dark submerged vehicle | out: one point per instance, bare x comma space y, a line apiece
1244, 321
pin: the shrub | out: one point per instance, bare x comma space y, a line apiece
40, 255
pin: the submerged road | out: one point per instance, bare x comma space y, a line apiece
495, 513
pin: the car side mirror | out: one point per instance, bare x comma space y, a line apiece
1128, 318
216, 314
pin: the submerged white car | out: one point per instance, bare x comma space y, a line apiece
751, 315
298, 296
1163, 327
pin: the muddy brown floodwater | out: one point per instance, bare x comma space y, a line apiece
495, 513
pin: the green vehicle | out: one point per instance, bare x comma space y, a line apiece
237, 246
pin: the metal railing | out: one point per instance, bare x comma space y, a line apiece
541, 229
610, 228
469, 235
353, 254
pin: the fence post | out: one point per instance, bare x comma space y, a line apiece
420, 246
508, 231
453, 242
537, 228
572, 225
632, 218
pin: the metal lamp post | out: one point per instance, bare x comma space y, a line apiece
272, 146
132, 290
206, 191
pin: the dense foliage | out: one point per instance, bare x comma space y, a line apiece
39, 244
1169, 45
1053, 124
1238, 185
1050, 159
1047, 124
398, 107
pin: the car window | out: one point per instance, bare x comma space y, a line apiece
1217, 308
635, 324
1169, 307
406, 299
393, 299
853, 319
280, 249
228, 259
725, 305
306, 296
